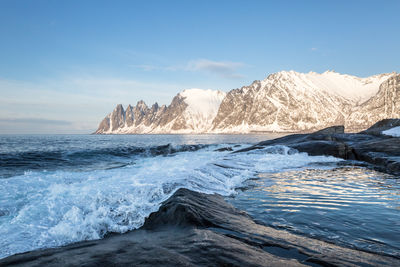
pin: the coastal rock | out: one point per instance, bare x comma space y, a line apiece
331, 130
196, 229
382, 152
222, 149
381, 126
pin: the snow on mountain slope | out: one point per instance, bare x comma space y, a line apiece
350, 87
385, 104
202, 107
285, 101
289, 101
191, 111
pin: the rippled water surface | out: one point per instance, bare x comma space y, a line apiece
59, 189
351, 206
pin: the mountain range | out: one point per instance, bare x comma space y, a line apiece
285, 101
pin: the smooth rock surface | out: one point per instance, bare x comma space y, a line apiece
195, 229
370, 146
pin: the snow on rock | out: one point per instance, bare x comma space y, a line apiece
285, 101
347, 86
350, 87
202, 107
395, 131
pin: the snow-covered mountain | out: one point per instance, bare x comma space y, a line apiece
191, 111
383, 105
286, 101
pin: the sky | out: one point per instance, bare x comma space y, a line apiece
64, 65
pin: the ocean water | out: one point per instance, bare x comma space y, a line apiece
59, 189
349, 206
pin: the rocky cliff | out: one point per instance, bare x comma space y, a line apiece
286, 101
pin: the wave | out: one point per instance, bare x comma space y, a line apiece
48, 209
105, 158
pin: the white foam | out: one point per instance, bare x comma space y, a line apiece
56, 208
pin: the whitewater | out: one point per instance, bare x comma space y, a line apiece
82, 192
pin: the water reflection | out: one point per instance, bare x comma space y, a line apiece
349, 205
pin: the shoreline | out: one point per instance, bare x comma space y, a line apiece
192, 228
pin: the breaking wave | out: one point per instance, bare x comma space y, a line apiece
53, 208
88, 159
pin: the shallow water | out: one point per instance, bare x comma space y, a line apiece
56, 190
351, 206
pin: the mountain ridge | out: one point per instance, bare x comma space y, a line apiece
285, 101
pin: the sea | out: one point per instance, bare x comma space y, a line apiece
60, 189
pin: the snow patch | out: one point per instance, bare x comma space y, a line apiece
395, 132
202, 107
203, 102
350, 87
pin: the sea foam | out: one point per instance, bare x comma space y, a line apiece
49, 209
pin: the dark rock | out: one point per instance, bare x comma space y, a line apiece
323, 147
331, 130
222, 149
189, 208
195, 229
383, 152
382, 125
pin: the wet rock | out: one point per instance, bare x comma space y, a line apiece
195, 229
382, 125
331, 130
382, 152
222, 149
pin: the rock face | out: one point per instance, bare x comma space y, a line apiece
195, 229
370, 146
191, 111
385, 104
286, 101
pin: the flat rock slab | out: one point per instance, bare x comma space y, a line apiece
195, 229
380, 151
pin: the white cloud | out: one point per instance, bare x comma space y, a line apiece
35, 121
225, 69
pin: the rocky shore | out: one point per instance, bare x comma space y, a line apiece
196, 229
192, 229
377, 150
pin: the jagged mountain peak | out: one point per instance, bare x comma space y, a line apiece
155, 106
141, 105
283, 101
119, 107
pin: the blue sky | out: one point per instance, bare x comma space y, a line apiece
65, 64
